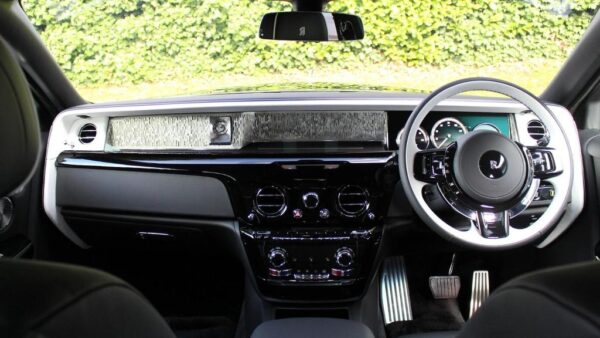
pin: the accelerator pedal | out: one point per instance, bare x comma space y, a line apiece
395, 297
480, 290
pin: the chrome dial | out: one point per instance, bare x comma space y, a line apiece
446, 131
277, 257
344, 257
486, 126
421, 140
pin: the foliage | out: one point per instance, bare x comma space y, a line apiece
136, 41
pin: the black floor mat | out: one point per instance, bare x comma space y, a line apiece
429, 314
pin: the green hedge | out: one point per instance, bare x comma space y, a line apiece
133, 41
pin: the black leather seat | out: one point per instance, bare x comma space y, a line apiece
557, 302
46, 299
41, 299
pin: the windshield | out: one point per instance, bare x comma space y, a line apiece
134, 49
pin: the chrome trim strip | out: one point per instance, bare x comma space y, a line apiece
284, 161
332, 34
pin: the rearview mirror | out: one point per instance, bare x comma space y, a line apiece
311, 26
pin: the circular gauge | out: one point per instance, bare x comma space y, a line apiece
421, 140
446, 131
486, 126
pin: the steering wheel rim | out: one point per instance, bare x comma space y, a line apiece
413, 187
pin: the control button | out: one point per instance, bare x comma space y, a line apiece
544, 193
297, 213
311, 277
310, 200
341, 272
324, 213
251, 217
277, 257
371, 216
262, 234
344, 257
280, 272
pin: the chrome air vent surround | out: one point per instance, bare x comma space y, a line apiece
537, 131
87, 133
270, 201
352, 200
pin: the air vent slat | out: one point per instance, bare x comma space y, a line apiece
352, 200
537, 131
270, 201
87, 133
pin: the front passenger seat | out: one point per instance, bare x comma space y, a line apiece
46, 299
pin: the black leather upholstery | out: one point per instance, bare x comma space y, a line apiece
313, 328
19, 126
558, 302
39, 299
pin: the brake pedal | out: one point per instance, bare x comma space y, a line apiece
395, 297
480, 290
445, 287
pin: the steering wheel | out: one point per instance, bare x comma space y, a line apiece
485, 176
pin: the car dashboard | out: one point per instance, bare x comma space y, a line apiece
301, 186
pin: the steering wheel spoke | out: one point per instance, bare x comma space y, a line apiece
545, 163
429, 165
493, 224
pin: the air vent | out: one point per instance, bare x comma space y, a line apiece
87, 133
352, 200
270, 201
537, 131
6, 212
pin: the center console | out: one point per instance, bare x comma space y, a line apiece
312, 327
314, 224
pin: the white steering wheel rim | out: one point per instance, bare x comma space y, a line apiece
413, 187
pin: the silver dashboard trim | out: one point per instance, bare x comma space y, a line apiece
401, 104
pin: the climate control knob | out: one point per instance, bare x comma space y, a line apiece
310, 200
344, 257
277, 257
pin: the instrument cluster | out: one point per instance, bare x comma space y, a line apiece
441, 129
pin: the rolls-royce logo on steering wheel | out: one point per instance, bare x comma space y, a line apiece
493, 164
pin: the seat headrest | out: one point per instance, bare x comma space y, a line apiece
19, 125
